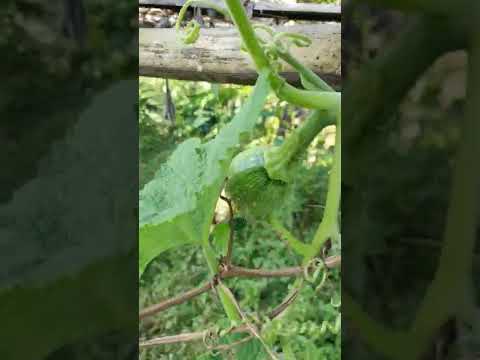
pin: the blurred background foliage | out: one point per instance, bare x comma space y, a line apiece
395, 205
60, 74
200, 110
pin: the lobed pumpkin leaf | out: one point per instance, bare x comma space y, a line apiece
177, 206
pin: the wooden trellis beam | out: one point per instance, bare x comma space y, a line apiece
262, 8
216, 57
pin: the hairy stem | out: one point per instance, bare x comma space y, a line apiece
316, 100
298, 246
200, 335
177, 300
247, 33
329, 227
231, 271
329, 101
304, 71
279, 159
174, 339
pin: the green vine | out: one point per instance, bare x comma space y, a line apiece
192, 30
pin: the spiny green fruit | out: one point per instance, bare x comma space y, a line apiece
253, 192
259, 178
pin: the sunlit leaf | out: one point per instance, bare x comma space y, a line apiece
177, 206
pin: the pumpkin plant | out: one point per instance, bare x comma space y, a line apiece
178, 205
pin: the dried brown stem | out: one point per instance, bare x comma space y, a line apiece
276, 312
201, 335
174, 339
226, 347
177, 300
238, 271
231, 272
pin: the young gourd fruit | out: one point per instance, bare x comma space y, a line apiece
250, 187
259, 179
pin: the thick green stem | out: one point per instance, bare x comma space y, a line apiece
317, 100
304, 71
247, 33
300, 140
329, 101
277, 163
306, 133
298, 246
329, 227
279, 159
302, 137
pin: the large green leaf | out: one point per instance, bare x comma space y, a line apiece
177, 206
